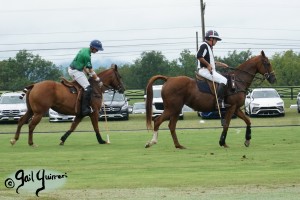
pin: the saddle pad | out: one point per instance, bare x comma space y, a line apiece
203, 86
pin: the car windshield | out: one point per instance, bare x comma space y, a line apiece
11, 100
111, 96
265, 94
139, 106
156, 93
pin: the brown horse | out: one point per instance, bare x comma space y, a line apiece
181, 90
50, 94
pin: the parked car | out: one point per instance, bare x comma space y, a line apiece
158, 106
298, 102
139, 108
58, 117
264, 102
11, 106
115, 106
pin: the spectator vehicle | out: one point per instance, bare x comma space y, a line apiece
264, 102
298, 102
115, 106
58, 117
11, 106
139, 108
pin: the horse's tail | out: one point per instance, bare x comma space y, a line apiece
149, 98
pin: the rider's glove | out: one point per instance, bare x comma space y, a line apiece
99, 81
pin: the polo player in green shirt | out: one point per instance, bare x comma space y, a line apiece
80, 66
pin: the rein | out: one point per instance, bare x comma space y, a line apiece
253, 75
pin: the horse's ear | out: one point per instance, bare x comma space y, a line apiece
114, 66
263, 53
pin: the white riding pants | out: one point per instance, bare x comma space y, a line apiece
79, 76
216, 77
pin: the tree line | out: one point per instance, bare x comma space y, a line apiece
26, 68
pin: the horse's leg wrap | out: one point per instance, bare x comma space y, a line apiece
65, 136
99, 138
248, 133
222, 138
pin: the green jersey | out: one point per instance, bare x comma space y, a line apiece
82, 59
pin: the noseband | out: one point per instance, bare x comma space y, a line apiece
267, 65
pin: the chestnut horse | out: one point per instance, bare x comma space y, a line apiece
50, 94
177, 91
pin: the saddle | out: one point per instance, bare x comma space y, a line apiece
206, 86
74, 88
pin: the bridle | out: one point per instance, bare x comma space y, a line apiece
266, 64
117, 82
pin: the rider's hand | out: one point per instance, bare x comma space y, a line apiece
99, 81
209, 67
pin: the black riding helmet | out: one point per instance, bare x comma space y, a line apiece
212, 34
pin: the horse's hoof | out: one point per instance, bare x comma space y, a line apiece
61, 143
180, 147
151, 143
247, 143
13, 141
225, 146
34, 145
221, 143
147, 145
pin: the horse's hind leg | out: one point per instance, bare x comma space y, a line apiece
75, 123
24, 119
35, 120
246, 119
172, 127
157, 122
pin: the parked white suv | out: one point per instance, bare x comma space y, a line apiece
11, 106
264, 102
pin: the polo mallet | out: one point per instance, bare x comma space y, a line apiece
220, 115
106, 126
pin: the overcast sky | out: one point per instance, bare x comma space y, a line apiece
57, 29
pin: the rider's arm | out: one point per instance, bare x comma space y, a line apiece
92, 73
221, 64
203, 61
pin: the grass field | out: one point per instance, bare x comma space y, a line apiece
124, 169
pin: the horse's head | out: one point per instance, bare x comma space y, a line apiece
112, 79
265, 68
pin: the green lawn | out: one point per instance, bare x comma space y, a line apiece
124, 169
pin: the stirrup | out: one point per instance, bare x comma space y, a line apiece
91, 109
224, 105
87, 111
